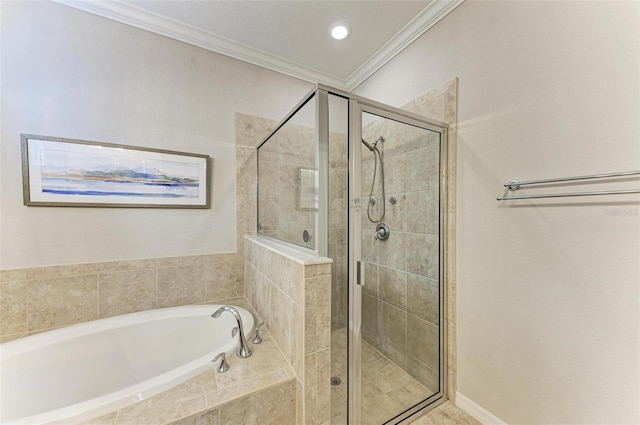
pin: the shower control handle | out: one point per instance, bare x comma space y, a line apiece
382, 232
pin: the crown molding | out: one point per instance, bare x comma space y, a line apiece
149, 21
426, 19
127, 14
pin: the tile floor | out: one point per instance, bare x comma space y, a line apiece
387, 390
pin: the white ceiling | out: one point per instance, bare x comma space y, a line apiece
287, 36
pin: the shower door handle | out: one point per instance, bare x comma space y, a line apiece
359, 277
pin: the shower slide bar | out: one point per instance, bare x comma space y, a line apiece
513, 185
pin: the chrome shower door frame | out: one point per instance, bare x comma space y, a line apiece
357, 106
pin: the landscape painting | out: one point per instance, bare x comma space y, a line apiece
67, 172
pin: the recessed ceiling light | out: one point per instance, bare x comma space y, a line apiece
339, 30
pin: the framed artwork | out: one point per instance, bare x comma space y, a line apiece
58, 172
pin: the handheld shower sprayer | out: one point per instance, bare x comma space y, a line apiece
371, 148
378, 156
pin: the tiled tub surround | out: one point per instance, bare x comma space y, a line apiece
85, 370
38, 299
260, 389
291, 291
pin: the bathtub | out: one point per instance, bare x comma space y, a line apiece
90, 369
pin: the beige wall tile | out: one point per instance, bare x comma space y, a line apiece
61, 271
310, 316
120, 266
223, 277
427, 376
264, 260
423, 215
323, 312
208, 417
370, 279
7, 338
241, 388
310, 389
370, 319
395, 178
273, 406
251, 130
423, 255
369, 246
393, 287
126, 292
175, 403
11, 275
107, 419
192, 260
263, 297
13, 307
251, 284
396, 214
62, 301
298, 342
423, 297
392, 328
180, 285
323, 388
265, 367
317, 320
281, 320
393, 251
299, 403
422, 167
422, 341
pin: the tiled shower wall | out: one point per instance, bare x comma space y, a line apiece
37, 299
441, 104
400, 296
284, 213
401, 292
284, 166
381, 300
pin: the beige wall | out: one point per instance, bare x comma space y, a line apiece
547, 291
67, 73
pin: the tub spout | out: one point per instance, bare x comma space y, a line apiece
243, 351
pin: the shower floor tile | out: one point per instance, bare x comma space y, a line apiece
387, 388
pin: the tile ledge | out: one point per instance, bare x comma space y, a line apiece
299, 256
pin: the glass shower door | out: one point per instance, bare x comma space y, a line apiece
396, 350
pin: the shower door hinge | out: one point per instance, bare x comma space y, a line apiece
359, 274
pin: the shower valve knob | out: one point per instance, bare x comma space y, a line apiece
382, 232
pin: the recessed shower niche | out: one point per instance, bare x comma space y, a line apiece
363, 183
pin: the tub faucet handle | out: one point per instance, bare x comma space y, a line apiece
257, 339
224, 366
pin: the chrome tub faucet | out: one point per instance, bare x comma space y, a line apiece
243, 351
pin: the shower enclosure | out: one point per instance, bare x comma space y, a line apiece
363, 183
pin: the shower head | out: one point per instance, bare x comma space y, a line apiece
379, 139
371, 148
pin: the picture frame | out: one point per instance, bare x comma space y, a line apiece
61, 172
308, 189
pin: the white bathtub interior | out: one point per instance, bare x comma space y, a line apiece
97, 367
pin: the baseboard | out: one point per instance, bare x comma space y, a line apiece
480, 413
